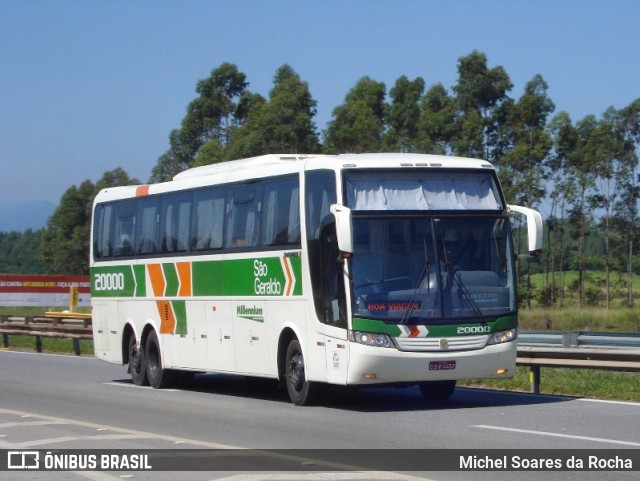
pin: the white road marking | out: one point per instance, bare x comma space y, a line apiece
559, 435
609, 401
140, 434
131, 385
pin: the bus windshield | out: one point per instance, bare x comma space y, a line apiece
409, 269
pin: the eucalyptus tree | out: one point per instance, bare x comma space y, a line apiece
626, 209
521, 167
581, 166
563, 143
610, 161
436, 125
481, 105
65, 241
358, 124
402, 115
211, 117
284, 123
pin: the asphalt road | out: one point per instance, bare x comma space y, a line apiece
66, 402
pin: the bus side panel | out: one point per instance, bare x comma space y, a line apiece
250, 330
220, 336
337, 355
105, 322
188, 342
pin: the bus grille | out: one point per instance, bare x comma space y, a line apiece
435, 344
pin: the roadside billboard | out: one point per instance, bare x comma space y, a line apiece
46, 291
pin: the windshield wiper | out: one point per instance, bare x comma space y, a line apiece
424, 273
454, 277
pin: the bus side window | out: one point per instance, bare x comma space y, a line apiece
102, 248
320, 186
243, 218
335, 310
176, 213
124, 229
281, 215
147, 226
209, 222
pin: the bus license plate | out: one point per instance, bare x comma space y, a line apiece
441, 365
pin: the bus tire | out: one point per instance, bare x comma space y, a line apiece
137, 364
159, 378
300, 390
437, 390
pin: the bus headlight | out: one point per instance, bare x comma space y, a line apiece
370, 339
503, 336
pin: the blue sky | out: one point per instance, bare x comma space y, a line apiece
87, 86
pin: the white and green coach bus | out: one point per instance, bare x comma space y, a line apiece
362, 269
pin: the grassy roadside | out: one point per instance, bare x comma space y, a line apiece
588, 383
58, 346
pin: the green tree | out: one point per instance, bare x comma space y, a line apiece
284, 124
627, 207
211, 117
521, 166
563, 142
20, 252
436, 125
403, 115
583, 176
358, 124
65, 241
481, 102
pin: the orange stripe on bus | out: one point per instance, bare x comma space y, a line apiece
157, 279
184, 274
290, 277
142, 190
167, 317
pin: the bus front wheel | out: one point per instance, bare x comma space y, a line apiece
300, 390
159, 378
437, 390
137, 364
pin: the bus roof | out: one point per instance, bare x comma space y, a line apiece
278, 164
382, 160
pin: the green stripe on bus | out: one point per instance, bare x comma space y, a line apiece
207, 278
254, 277
171, 279
180, 310
447, 330
140, 280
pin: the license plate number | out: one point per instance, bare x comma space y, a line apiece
442, 365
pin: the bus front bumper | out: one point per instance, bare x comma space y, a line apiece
378, 365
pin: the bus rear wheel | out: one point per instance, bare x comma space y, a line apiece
137, 364
300, 390
437, 390
159, 378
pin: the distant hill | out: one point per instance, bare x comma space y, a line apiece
22, 215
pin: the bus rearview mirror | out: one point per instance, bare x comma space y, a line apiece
534, 231
343, 227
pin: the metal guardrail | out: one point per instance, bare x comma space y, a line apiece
52, 325
577, 349
579, 339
